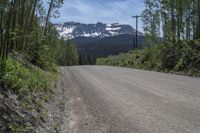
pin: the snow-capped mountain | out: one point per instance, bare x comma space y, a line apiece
70, 30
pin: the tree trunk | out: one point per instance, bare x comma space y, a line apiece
198, 26
8, 27
173, 22
48, 17
180, 12
1, 32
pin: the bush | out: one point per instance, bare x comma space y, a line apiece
183, 56
24, 79
170, 55
147, 58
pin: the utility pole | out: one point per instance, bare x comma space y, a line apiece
136, 35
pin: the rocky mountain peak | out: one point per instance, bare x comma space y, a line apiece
71, 30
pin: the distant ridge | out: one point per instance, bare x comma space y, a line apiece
71, 30
102, 47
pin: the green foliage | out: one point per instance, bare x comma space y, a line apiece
177, 19
16, 128
67, 54
26, 33
46, 59
23, 79
147, 58
151, 20
42, 52
25, 29
87, 60
180, 57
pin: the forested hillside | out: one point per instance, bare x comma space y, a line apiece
95, 47
30, 51
178, 23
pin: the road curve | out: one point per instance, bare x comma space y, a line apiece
121, 100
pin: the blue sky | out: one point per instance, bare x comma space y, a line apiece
106, 11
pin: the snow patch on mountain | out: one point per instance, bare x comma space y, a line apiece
109, 28
92, 34
70, 30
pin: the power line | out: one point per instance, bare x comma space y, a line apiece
135, 43
122, 9
111, 9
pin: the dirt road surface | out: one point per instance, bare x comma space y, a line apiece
121, 100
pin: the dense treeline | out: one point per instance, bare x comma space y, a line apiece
87, 60
67, 54
175, 26
174, 20
178, 23
23, 29
26, 29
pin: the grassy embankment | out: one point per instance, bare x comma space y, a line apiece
22, 78
179, 58
27, 87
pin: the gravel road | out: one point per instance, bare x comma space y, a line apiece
121, 100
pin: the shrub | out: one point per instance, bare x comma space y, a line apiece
183, 56
23, 79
